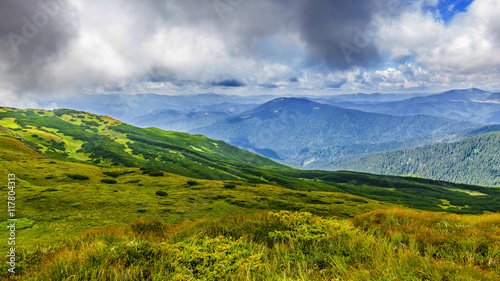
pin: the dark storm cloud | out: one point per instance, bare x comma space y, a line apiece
339, 34
33, 34
229, 83
334, 31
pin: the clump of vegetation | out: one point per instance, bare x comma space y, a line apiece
156, 173
78, 177
108, 181
192, 183
229, 185
133, 181
161, 193
113, 174
152, 172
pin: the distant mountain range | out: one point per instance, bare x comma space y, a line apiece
174, 120
299, 131
131, 108
472, 105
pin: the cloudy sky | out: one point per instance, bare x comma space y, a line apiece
57, 47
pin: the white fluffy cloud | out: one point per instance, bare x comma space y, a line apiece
460, 52
174, 46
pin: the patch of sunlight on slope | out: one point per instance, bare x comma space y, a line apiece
71, 119
71, 145
470, 192
9, 122
196, 148
445, 204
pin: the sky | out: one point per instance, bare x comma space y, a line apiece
53, 48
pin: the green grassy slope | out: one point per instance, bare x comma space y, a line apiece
91, 139
79, 136
57, 199
475, 160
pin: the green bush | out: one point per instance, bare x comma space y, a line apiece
109, 181
229, 185
161, 193
191, 183
113, 174
156, 173
133, 181
78, 177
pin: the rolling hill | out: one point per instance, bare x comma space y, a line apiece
475, 160
300, 132
79, 136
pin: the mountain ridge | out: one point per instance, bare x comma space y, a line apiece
292, 127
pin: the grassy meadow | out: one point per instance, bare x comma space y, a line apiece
100, 200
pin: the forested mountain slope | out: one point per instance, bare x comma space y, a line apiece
475, 160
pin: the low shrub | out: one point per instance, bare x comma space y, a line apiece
161, 193
113, 174
108, 181
229, 185
156, 173
191, 183
133, 181
78, 177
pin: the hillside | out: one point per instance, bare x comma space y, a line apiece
299, 131
85, 138
79, 136
475, 160
83, 221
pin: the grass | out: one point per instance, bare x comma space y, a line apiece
62, 206
391, 244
